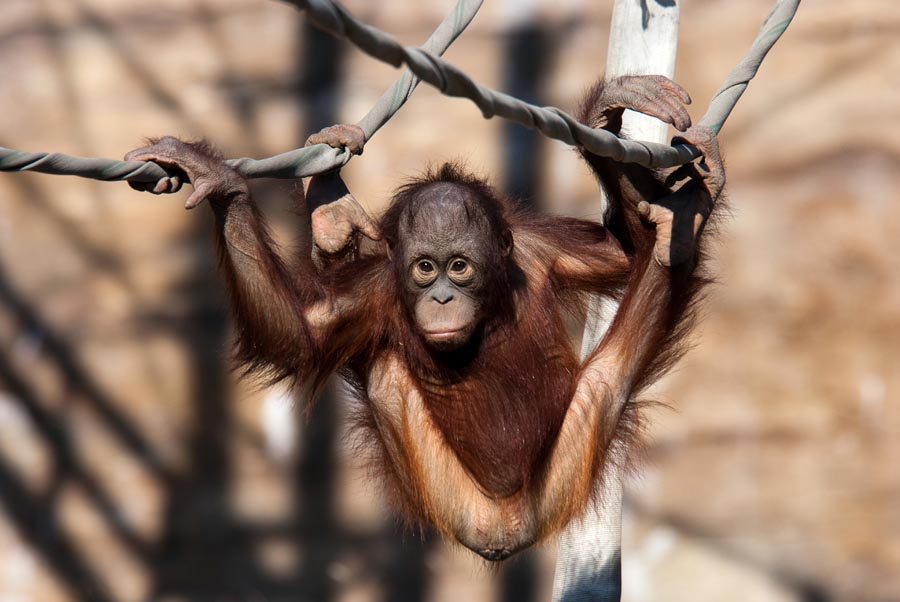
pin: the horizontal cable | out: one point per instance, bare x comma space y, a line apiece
296, 163
550, 121
451, 81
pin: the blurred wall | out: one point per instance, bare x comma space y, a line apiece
135, 466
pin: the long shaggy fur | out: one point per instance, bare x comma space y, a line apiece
627, 185
498, 402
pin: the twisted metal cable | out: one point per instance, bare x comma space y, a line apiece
296, 163
725, 99
551, 121
424, 65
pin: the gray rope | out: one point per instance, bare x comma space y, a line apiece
724, 100
320, 158
551, 121
297, 163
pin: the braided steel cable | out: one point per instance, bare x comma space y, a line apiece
551, 121
296, 163
451, 81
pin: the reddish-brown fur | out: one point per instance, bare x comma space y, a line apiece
626, 185
500, 402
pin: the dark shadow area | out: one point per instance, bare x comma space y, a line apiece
202, 554
645, 10
518, 578
67, 467
36, 514
319, 65
597, 587
404, 574
319, 72
78, 379
36, 523
527, 55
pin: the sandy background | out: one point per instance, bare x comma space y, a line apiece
133, 465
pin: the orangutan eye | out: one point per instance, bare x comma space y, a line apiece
424, 272
461, 271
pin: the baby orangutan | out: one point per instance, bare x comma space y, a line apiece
451, 330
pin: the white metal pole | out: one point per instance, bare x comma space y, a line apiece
643, 40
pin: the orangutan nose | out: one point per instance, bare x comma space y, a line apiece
443, 297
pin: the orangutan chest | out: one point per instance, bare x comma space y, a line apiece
500, 430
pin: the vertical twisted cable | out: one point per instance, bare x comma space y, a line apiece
725, 99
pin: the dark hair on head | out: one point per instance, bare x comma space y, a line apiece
407, 200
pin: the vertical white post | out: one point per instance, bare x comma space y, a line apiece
643, 40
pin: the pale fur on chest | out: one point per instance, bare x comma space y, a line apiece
415, 445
